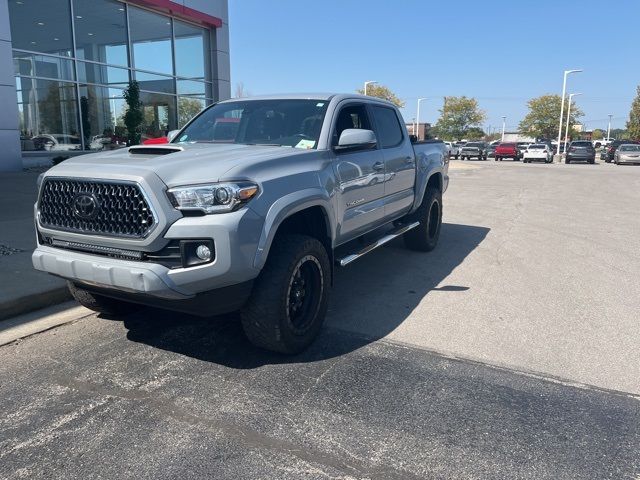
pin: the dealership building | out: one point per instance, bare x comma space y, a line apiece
64, 65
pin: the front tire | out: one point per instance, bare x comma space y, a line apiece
101, 304
289, 300
424, 237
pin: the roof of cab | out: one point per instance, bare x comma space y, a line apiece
311, 96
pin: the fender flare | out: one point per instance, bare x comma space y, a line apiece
428, 166
286, 206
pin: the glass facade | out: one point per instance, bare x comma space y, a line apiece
73, 58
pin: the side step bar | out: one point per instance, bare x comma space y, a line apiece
381, 241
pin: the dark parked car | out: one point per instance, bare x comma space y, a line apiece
580, 151
491, 151
613, 146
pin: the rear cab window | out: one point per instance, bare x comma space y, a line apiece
389, 131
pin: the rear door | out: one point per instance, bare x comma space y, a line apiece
399, 160
360, 176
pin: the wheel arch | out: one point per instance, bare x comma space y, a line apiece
309, 213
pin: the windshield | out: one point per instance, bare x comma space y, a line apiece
630, 148
581, 144
280, 122
473, 144
536, 147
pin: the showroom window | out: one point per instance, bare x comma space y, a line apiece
101, 31
73, 58
151, 41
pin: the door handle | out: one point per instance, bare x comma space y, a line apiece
378, 166
410, 160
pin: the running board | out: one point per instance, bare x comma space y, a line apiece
381, 241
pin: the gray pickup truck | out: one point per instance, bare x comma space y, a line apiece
249, 207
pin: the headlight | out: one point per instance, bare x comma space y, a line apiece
215, 198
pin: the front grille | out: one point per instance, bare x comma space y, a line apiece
93, 207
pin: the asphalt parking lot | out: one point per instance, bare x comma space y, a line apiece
511, 351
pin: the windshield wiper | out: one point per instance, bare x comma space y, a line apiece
266, 144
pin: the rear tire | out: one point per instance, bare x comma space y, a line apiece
101, 304
289, 300
424, 237
567, 161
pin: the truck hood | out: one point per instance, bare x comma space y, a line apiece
194, 163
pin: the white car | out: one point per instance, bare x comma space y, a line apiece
56, 141
537, 152
451, 149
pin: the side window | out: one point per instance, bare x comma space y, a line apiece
389, 132
351, 116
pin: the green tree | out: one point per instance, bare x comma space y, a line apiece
134, 115
633, 124
187, 109
619, 133
475, 133
543, 119
383, 92
597, 134
460, 117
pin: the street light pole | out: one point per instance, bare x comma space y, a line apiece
504, 119
564, 91
366, 84
609, 128
417, 124
566, 132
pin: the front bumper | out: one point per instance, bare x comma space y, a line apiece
235, 237
630, 160
472, 154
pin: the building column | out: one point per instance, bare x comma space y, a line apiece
10, 155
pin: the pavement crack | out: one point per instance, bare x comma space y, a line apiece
241, 433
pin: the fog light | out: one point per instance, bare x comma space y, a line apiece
203, 253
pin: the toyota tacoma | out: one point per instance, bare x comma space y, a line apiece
249, 207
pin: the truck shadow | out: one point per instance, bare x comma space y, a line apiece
370, 298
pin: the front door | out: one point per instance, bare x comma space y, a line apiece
360, 177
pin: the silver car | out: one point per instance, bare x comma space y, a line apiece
627, 153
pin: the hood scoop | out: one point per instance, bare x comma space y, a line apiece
154, 149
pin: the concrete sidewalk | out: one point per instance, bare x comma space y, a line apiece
22, 289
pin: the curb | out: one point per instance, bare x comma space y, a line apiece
29, 303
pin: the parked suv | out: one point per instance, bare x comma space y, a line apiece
581, 151
252, 219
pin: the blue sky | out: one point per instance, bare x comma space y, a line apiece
501, 52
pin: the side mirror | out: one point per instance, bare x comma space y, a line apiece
356, 139
171, 135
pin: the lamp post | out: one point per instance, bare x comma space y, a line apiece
566, 132
366, 84
504, 120
417, 125
609, 128
564, 90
